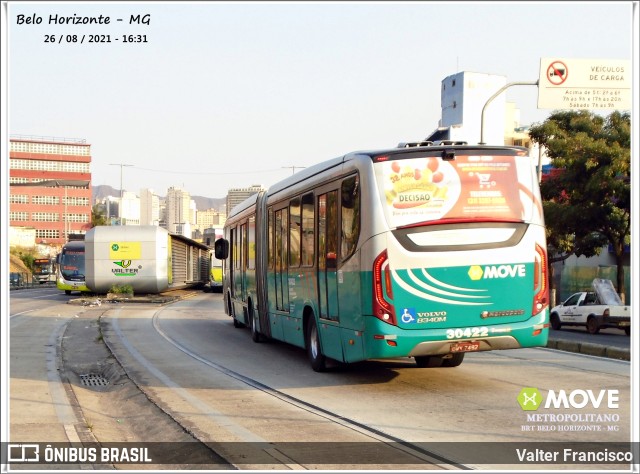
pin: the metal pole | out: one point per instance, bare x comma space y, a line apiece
121, 165
500, 91
66, 215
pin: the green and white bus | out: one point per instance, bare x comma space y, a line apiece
427, 251
71, 268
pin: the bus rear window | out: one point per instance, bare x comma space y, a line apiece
471, 187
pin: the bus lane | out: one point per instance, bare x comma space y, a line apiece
218, 383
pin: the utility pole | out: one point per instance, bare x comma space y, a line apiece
121, 165
293, 168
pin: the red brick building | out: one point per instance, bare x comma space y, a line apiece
50, 186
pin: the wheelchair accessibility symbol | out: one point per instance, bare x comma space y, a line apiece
409, 315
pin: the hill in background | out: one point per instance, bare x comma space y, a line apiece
202, 203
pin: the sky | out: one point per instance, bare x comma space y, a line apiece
222, 95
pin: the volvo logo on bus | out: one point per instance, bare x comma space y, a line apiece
496, 271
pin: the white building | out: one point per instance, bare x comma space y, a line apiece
462, 97
149, 207
178, 213
130, 208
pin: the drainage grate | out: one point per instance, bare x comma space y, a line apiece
93, 380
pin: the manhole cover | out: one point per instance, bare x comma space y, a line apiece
93, 380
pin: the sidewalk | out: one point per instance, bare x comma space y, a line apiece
590, 348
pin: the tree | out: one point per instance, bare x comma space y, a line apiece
97, 216
587, 204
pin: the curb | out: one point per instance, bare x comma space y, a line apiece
590, 348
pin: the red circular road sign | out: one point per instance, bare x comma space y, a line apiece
557, 73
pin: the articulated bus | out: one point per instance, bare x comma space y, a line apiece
427, 251
71, 268
44, 270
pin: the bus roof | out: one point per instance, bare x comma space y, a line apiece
402, 148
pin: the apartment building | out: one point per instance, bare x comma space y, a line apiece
50, 186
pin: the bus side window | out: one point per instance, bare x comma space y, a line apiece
308, 230
295, 225
350, 210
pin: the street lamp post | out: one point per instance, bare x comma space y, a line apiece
500, 91
121, 165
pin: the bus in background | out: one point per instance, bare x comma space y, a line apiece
216, 266
427, 251
71, 268
44, 270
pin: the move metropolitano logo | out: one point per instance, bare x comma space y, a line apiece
561, 405
530, 399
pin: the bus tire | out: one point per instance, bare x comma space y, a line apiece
232, 313
454, 361
428, 361
592, 325
627, 331
314, 351
555, 322
67, 292
255, 335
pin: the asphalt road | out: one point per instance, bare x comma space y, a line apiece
191, 363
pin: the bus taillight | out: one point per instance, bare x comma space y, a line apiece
540, 274
382, 309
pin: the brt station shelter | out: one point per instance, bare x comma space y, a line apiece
148, 258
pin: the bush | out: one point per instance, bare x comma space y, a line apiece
122, 290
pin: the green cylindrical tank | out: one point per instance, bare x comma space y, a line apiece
127, 255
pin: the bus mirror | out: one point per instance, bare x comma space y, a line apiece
221, 248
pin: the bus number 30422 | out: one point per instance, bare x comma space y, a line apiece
467, 332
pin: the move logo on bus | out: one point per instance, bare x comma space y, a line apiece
530, 399
497, 271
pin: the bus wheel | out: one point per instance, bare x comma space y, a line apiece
627, 331
428, 361
592, 325
67, 292
454, 361
555, 322
317, 359
255, 335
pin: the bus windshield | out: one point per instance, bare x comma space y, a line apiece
72, 265
427, 190
42, 266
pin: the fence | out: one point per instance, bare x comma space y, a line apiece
20, 280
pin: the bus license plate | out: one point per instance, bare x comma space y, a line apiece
465, 347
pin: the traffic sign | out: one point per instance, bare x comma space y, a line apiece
602, 84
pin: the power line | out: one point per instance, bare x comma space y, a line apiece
293, 168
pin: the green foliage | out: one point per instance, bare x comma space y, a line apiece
98, 216
122, 290
588, 204
27, 256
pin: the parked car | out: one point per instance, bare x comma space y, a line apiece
15, 279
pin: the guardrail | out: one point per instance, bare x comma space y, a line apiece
21, 280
